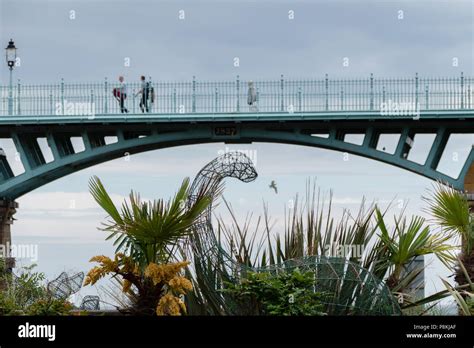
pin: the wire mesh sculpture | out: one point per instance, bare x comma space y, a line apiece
230, 165
352, 289
64, 285
90, 303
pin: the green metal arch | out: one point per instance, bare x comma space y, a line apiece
41, 175
371, 153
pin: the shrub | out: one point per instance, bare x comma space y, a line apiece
49, 306
25, 294
282, 294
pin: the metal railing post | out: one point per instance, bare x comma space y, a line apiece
238, 92
62, 96
215, 101
106, 106
51, 102
194, 95
91, 106
462, 90
10, 93
427, 98
342, 98
327, 92
371, 91
18, 99
416, 90
174, 101
469, 97
299, 99
282, 104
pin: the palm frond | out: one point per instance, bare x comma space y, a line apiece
450, 209
148, 230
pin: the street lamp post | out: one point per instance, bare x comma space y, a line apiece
7, 207
11, 59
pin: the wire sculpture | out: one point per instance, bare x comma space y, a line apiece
64, 285
90, 303
353, 290
230, 165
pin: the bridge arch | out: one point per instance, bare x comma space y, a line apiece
134, 139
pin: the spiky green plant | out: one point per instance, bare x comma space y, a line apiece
450, 210
463, 298
409, 240
312, 230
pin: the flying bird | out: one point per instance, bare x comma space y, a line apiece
273, 185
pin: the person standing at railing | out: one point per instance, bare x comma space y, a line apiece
120, 94
252, 97
148, 94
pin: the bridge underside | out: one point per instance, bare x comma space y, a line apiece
139, 137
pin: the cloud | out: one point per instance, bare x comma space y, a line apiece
60, 201
212, 34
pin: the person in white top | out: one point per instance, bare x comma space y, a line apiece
122, 95
252, 97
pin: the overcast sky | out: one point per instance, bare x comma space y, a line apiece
91, 40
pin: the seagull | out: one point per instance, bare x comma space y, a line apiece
273, 185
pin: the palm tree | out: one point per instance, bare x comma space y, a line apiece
407, 241
147, 236
450, 210
149, 231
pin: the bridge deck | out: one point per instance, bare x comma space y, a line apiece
424, 115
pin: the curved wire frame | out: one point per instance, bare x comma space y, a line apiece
64, 285
90, 303
351, 289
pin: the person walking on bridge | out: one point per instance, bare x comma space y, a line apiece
252, 97
147, 92
120, 94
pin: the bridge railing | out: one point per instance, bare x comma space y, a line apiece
389, 95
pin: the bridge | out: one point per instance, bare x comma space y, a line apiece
313, 112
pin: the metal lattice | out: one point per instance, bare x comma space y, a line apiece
64, 285
350, 289
90, 303
206, 251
